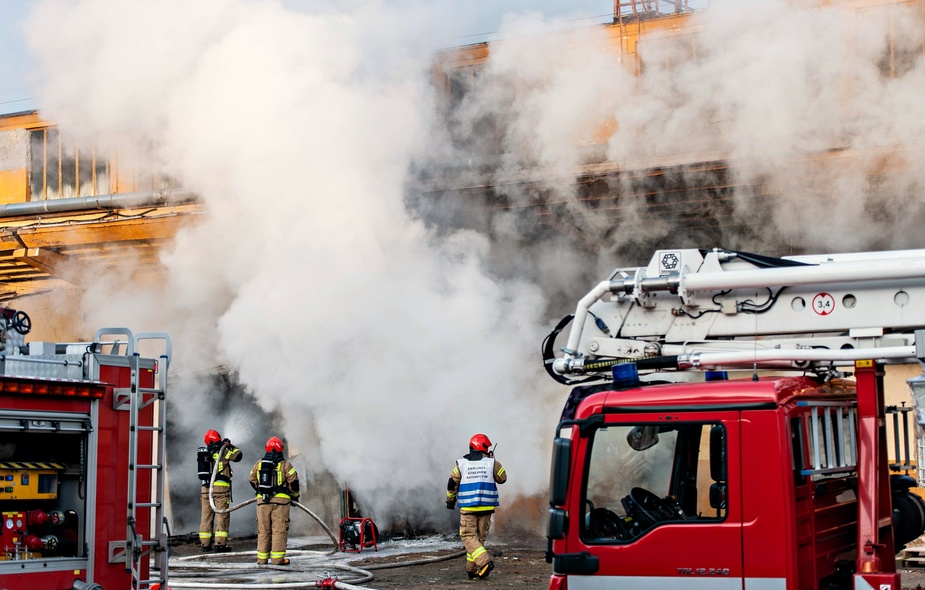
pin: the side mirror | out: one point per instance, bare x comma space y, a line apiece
641, 438
558, 523
560, 471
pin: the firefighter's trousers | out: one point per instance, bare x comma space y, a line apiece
213, 522
272, 531
473, 529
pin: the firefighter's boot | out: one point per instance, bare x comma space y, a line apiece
486, 569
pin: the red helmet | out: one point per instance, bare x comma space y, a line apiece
479, 442
212, 436
274, 444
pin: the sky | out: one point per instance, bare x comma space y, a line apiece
16, 92
469, 22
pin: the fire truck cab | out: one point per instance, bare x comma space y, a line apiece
668, 474
81, 460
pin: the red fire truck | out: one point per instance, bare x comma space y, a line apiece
668, 474
82, 460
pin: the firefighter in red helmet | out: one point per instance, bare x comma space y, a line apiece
473, 484
217, 455
277, 485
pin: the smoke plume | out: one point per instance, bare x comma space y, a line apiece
377, 340
372, 345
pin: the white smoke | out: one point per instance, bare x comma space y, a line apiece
381, 347
810, 108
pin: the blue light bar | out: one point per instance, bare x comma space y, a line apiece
625, 375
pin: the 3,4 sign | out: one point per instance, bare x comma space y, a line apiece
823, 304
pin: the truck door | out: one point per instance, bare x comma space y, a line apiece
660, 502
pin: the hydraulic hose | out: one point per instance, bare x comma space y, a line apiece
254, 499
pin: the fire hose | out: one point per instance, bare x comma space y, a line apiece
228, 570
254, 499
193, 579
325, 581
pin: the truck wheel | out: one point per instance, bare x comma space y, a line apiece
908, 518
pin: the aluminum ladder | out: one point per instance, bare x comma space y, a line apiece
135, 398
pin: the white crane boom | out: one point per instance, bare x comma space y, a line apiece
718, 308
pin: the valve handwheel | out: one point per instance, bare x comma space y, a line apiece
22, 323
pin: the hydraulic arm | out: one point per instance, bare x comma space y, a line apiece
697, 309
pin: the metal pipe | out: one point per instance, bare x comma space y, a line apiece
905, 268
581, 313
28, 359
716, 359
154, 198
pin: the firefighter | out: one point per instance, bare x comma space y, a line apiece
221, 490
277, 485
474, 484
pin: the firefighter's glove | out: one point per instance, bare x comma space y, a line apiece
450, 504
227, 442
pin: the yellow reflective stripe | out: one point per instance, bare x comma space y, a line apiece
279, 474
277, 554
477, 552
477, 509
221, 483
221, 533
469, 557
262, 555
456, 470
205, 535
451, 495
500, 471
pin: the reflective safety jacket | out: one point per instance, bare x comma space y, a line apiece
224, 472
476, 477
286, 486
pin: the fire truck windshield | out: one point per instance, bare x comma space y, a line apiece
644, 475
